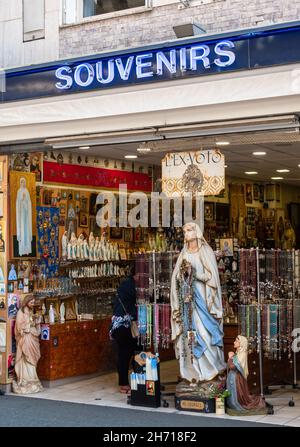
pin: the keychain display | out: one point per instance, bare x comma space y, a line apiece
48, 237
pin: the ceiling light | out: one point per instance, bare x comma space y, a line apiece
144, 148
276, 178
130, 156
250, 172
259, 153
222, 143
282, 170
84, 148
225, 166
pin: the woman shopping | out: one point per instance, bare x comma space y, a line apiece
123, 328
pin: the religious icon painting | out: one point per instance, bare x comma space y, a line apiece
83, 220
84, 204
93, 226
77, 196
270, 192
64, 194
13, 304
255, 191
150, 388
248, 193
2, 288
10, 287
261, 193
116, 233
35, 165
128, 234
23, 214
138, 234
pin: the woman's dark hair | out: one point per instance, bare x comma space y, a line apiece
131, 269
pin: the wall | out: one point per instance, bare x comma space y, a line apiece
13, 51
99, 33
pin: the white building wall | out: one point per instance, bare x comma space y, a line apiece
13, 51
131, 28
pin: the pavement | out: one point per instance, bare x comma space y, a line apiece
17, 411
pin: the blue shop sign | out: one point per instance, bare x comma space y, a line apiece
199, 56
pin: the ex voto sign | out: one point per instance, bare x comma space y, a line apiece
201, 172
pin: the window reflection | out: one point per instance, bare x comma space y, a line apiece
96, 7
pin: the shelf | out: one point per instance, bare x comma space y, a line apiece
77, 263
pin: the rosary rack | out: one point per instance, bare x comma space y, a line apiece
269, 307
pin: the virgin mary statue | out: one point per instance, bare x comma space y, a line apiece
196, 302
24, 219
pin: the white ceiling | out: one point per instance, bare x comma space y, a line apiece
283, 153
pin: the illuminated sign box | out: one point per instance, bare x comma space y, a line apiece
194, 57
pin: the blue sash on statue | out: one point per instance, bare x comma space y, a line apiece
210, 323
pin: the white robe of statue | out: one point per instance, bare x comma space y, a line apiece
24, 219
207, 312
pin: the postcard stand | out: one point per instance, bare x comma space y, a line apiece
148, 394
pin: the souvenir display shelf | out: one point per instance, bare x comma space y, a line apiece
269, 310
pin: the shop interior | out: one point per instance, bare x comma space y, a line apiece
257, 212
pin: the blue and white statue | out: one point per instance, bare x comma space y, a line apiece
24, 219
196, 302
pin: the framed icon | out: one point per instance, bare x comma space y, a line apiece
128, 234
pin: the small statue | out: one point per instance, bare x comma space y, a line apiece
27, 332
97, 249
240, 398
289, 237
62, 312
69, 251
91, 246
64, 245
74, 245
80, 249
86, 251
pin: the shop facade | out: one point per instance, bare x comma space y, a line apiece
189, 95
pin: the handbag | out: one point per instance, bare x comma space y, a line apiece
133, 324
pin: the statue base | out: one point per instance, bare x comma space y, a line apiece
196, 396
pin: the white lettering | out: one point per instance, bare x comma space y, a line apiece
90, 75
125, 72
161, 60
183, 61
110, 72
140, 65
64, 77
194, 58
229, 54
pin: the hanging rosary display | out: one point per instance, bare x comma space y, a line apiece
279, 297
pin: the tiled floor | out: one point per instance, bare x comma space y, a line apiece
103, 390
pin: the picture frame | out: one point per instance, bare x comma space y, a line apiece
248, 193
1, 204
93, 226
122, 253
83, 220
128, 234
256, 192
277, 192
270, 192
261, 193
116, 233
84, 204
139, 234
209, 211
226, 246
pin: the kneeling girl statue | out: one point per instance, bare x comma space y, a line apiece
196, 302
